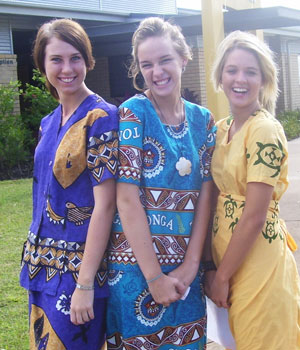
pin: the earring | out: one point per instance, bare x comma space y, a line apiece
183, 69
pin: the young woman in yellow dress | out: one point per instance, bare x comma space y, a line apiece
256, 277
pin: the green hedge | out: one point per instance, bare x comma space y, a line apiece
18, 132
290, 121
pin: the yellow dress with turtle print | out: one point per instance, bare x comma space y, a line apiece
264, 292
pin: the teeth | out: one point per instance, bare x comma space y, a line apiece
162, 82
239, 90
66, 80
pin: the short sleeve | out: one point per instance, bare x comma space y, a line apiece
131, 147
209, 147
266, 151
102, 146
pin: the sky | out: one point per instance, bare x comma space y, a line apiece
196, 4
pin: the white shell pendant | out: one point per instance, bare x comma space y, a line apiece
184, 166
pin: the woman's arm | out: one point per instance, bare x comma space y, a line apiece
165, 289
96, 242
207, 253
187, 271
249, 226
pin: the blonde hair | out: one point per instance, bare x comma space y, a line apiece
246, 41
66, 30
151, 27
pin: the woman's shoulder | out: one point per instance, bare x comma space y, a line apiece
101, 103
135, 101
49, 117
264, 120
196, 109
136, 107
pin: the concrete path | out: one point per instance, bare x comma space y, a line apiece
289, 206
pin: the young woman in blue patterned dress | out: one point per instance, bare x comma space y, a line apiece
164, 183
73, 198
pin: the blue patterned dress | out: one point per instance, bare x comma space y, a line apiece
69, 161
149, 151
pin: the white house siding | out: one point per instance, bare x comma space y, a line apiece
290, 49
162, 7
5, 36
74, 4
114, 6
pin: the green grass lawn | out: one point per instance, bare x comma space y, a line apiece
15, 217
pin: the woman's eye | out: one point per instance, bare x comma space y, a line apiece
76, 58
166, 60
146, 65
55, 59
231, 71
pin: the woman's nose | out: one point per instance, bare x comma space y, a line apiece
66, 66
241, 76
157, 70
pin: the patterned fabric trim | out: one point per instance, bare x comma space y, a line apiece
170, 250
103, 154
165, 199
127, 115
130, 162
57, 256
182, 335
178, 131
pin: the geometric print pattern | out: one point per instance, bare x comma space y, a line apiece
165, 199
127, 115
182, 335
170, 250
103, 154
130, 162
56, 256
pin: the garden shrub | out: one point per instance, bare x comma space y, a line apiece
18, 133
290, 121
13, 152
38, 103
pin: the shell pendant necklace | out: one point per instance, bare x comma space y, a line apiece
183, 165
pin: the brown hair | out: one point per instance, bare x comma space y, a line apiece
246, 41
66, 30
155, 26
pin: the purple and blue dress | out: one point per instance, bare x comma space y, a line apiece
69, 161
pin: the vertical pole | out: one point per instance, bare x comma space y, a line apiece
213, 34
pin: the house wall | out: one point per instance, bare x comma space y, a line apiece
163, 7
8, 72
5, 36
98, 79
120, 6
290, 49
194, 76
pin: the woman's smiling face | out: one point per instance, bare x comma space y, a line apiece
65, 67
242, 80
160, 65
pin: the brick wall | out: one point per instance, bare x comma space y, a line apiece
8, 72
294, 82
289, 82
194, 76
98, 79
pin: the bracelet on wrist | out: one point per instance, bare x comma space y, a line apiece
83, 287
155, 278
209, 265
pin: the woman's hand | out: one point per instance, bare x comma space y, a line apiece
185, 274
82, 306
166, 290
219, 292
